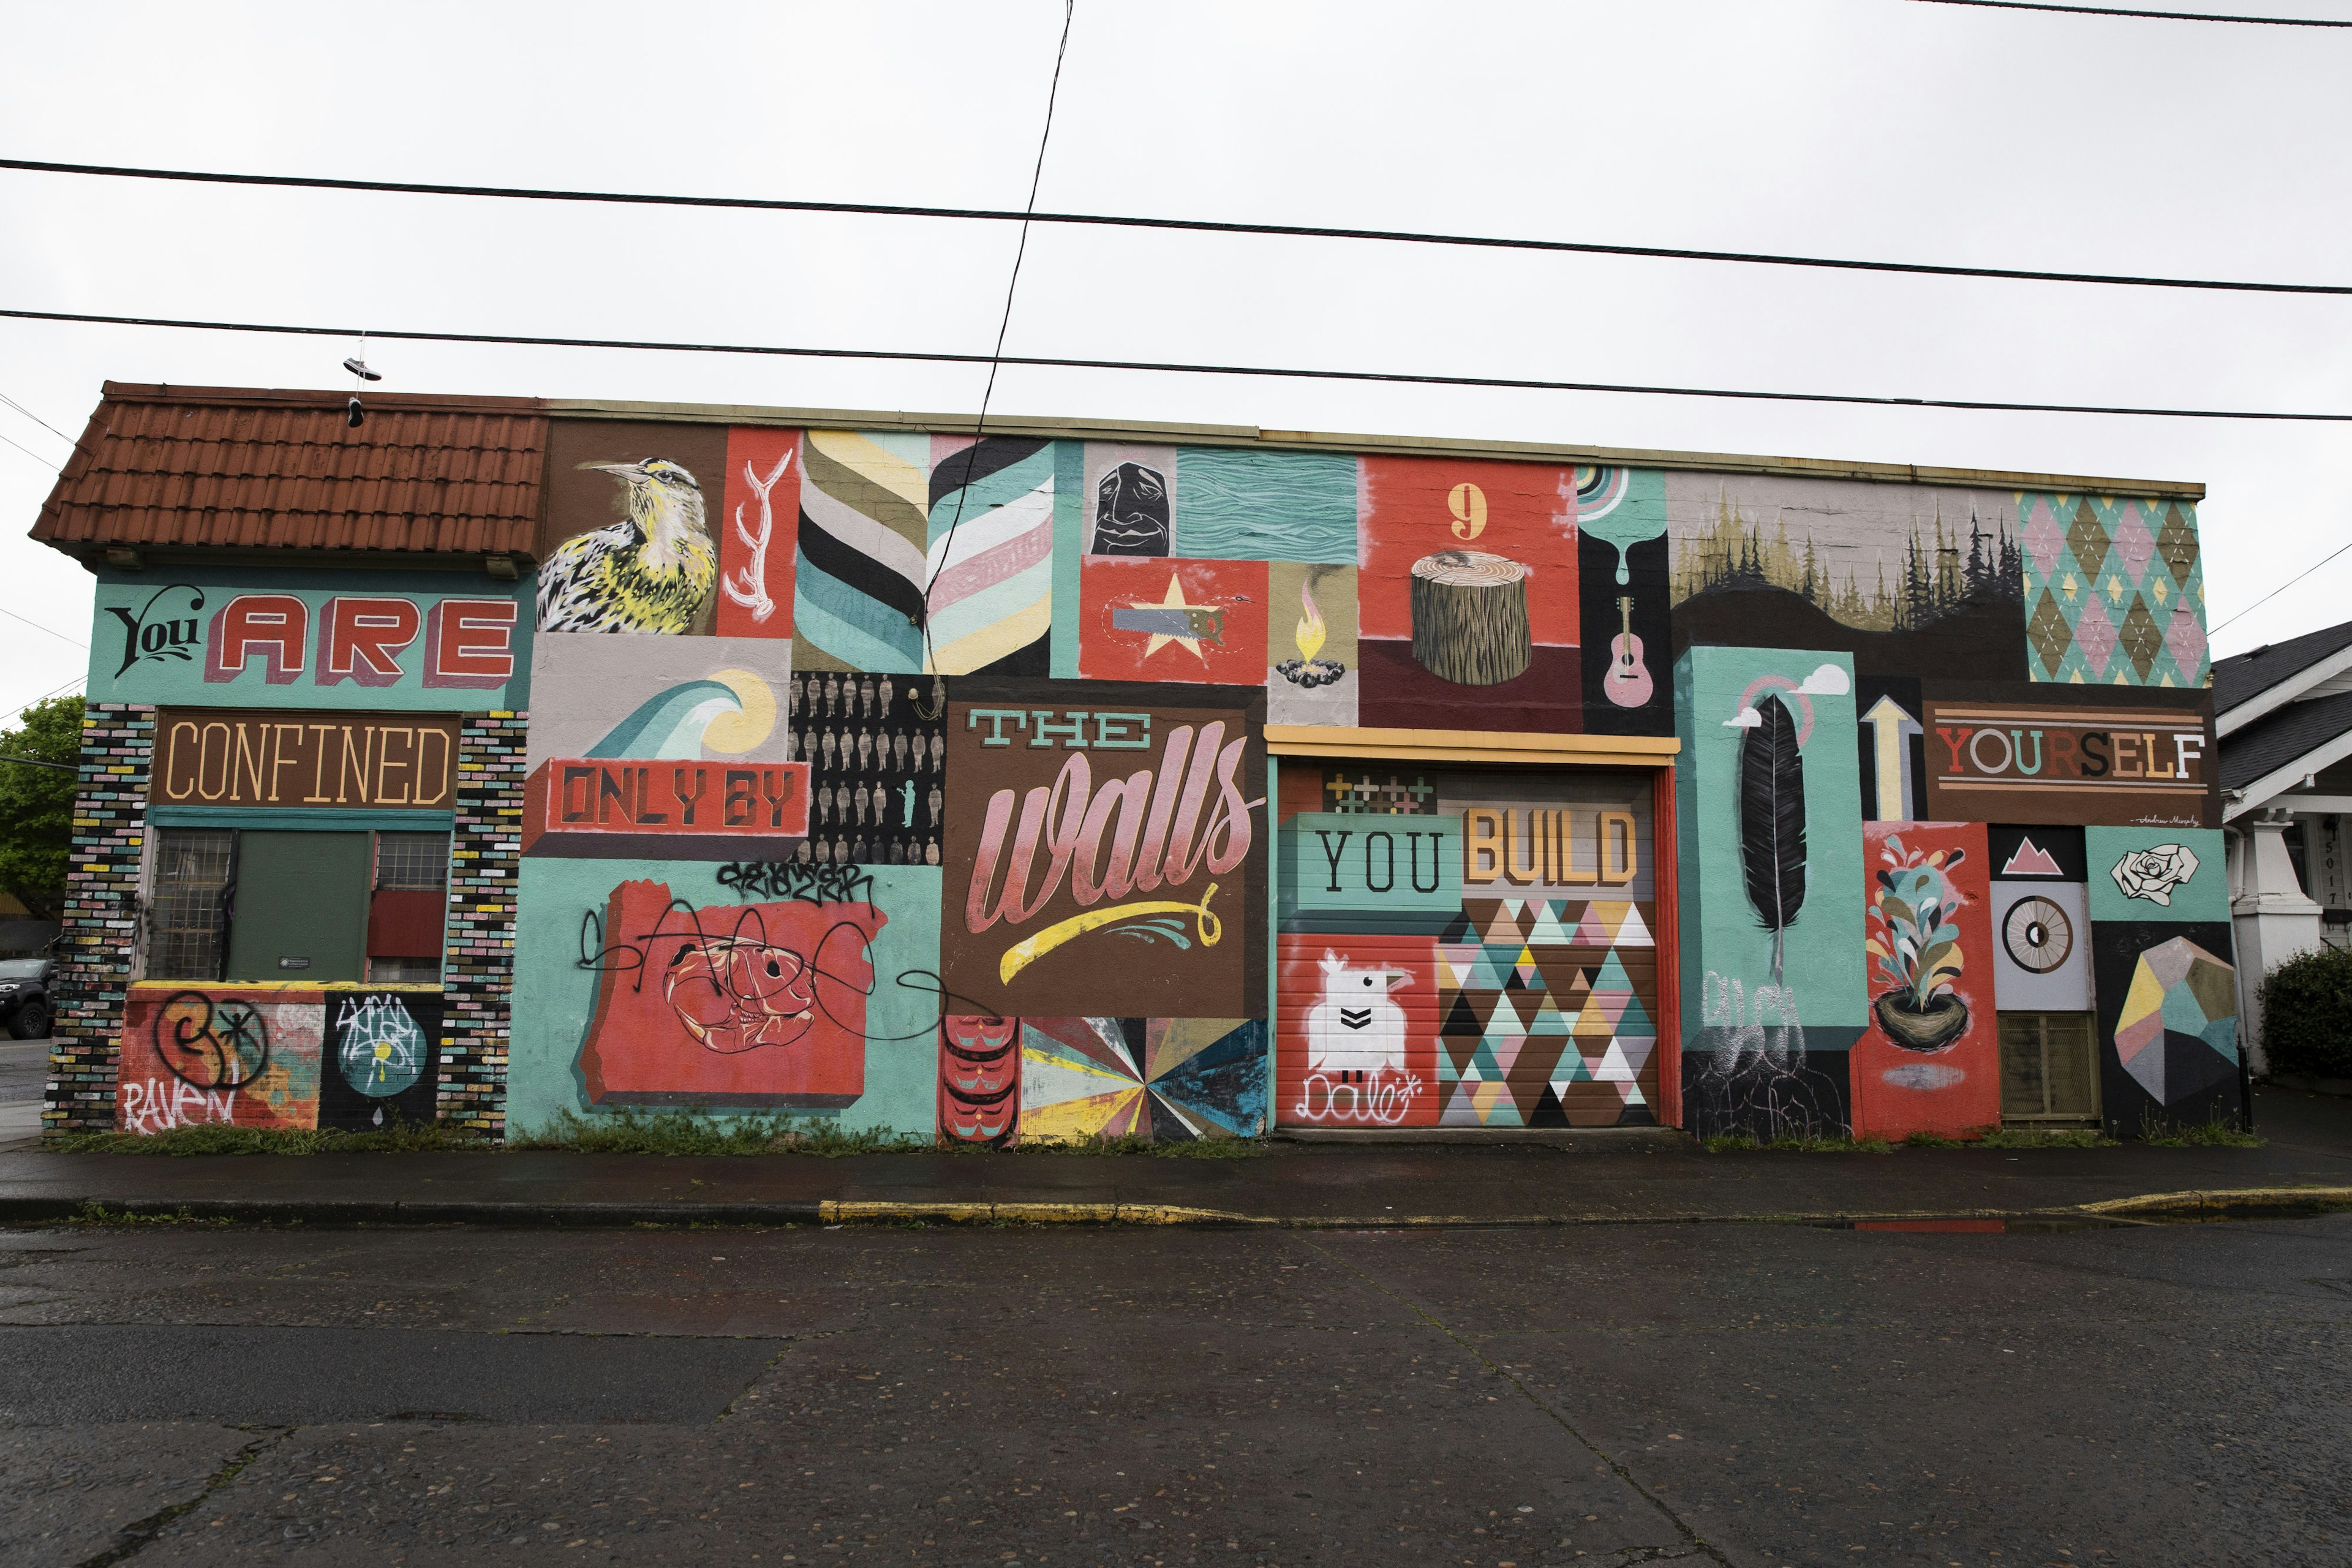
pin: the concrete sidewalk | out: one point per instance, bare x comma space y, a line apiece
1555, 1179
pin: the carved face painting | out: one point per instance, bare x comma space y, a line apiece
1131, 513
736, 995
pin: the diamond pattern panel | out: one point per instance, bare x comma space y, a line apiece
2115, 587
1547, 1010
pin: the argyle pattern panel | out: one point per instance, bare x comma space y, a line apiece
2115, 591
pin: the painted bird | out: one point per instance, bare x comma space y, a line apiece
652, 572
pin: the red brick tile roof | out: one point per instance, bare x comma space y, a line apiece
162, 467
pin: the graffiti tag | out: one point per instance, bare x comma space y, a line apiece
794, 882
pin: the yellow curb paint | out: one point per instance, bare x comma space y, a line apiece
2220, 1197
839, 1211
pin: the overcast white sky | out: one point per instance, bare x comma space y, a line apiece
1870, 127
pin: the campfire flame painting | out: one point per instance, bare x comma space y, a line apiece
1306, 671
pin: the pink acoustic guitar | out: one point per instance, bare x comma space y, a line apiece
1627, 684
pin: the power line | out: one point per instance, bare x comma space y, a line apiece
2158, 15
2282, 587
1508, 383
30, 453
39, 627
1004, 323
36, 418
44, 697
32, 762
1194, 225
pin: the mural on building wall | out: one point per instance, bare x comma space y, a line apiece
875, 747
1170, 1079
1028, 679
1467, 602
2114, 590
380, 1059
1109, 853
925, 554
1929, 1059
770, 987
242, 1055
2168, 1003
327, 761
1623, 587
1768, 793
278, 1056
2113, 761
2041, 919
711, 699
1468, 948
628, 545
270, 638
758, 530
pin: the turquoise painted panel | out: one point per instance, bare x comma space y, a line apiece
304, 819
2157, 874
1235, 505
274, 637
1071, 528
1361, 861
556, 980
1721, 697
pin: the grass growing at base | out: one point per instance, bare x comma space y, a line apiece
399, 1138
2047, 1138
1135, 1143
1732, 1143
2215, 1132
96, 1213
692, 1133
621, 1132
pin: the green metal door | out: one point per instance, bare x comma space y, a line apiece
302, 907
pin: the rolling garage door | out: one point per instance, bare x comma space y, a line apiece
1467, 946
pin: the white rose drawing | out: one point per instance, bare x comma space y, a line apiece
2153, 874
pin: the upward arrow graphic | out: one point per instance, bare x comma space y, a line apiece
1891, 728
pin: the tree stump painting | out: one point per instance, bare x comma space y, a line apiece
1470, 617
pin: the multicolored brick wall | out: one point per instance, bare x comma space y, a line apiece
478, 963
101, 915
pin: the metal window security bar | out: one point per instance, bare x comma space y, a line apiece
2049, 1068
410, 863
187, 918
411, 860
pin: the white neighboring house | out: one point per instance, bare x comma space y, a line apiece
2284, 713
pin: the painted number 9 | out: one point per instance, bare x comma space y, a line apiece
1468, 504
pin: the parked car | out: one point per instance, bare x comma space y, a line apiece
25, 1007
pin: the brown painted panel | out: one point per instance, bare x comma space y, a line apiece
1106, 847
2083, 764
319, 761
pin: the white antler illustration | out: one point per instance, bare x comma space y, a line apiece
752, 592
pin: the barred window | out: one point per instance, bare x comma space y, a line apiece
2049, 1066
411, 860
187, 920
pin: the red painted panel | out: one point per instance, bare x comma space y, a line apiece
1415, 507
749, 1005
1934, 1067
405, 923
242, 1055
1356, 1032
758, 530
616, 806
1154, 618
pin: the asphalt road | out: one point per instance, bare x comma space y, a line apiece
1737, 1394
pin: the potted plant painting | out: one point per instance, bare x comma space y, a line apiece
1917, 946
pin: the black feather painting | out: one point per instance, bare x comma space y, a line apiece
1772, 821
